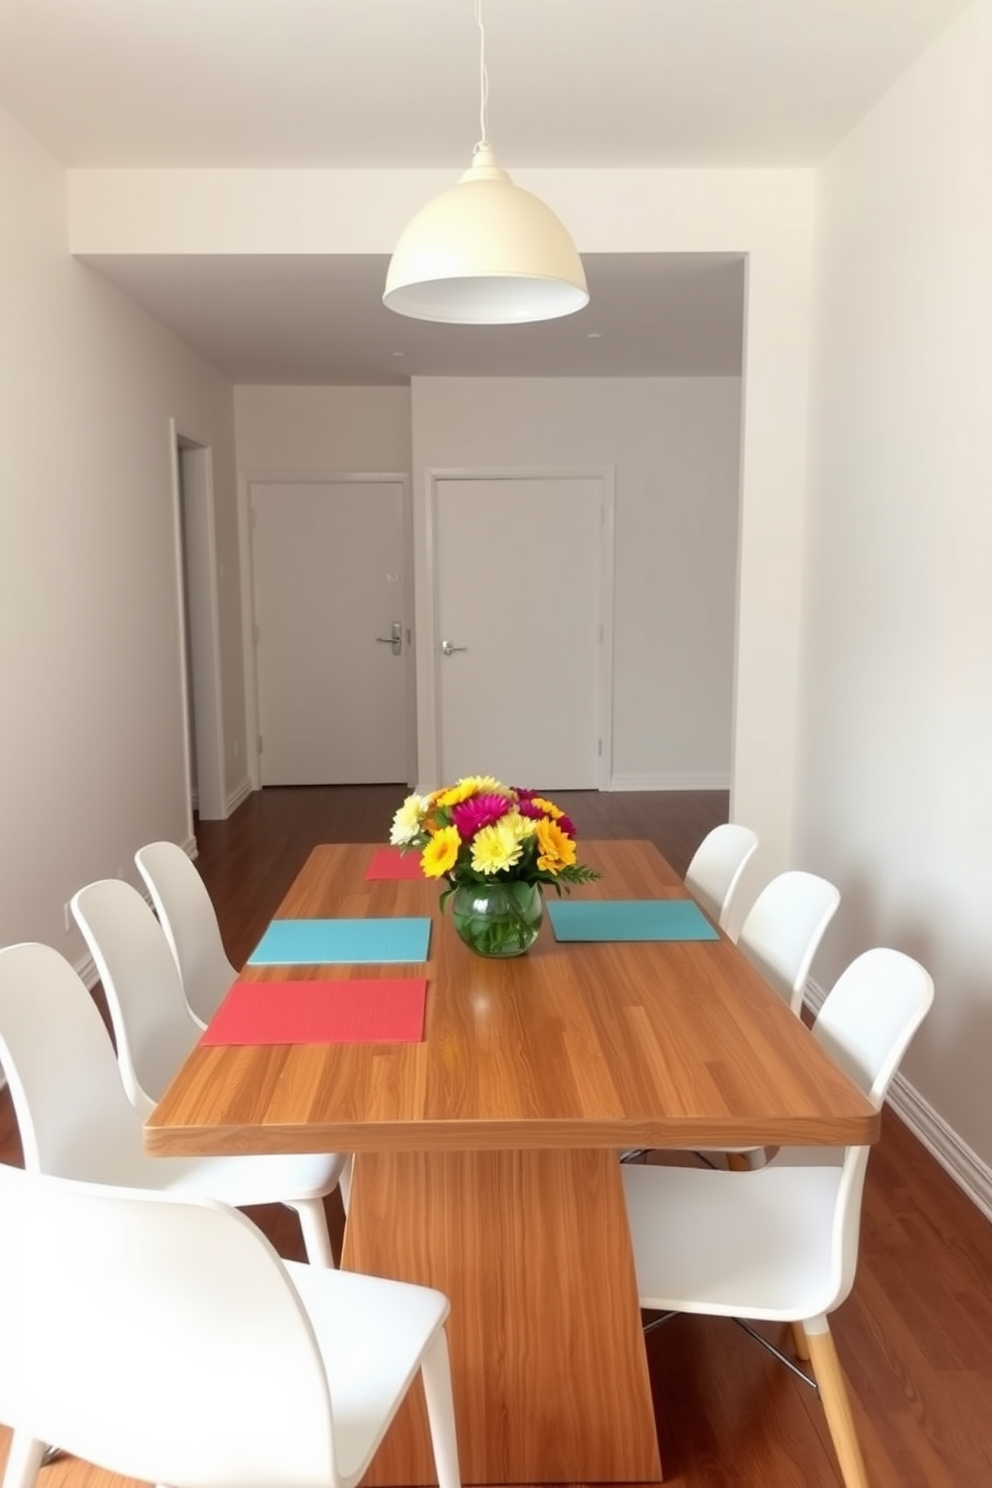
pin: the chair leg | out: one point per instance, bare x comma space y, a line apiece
23, 1461
748, 1162
776, 1353
344, 1182
799, 1342
316, 1237
836, 1402
436, 1371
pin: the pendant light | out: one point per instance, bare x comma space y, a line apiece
485, 252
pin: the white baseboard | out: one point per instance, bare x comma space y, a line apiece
670, 782
86, 967
970, 1173
240, 793
631, 782
961, 1162
814, 997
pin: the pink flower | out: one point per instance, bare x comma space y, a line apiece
477, 812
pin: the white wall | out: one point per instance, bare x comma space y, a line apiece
895, 765
674, 444
92, 740
765, 214
287, 431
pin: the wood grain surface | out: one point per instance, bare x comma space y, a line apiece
483, 1150
920, 1375
547, 1354
677, 1044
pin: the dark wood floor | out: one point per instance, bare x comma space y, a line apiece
915, 1338
250, 861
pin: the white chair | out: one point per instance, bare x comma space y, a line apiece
783, 929
186, 914
165, 1340
781, 1243
781, 934
75, 1120
154, 1028
716, 868
712, 878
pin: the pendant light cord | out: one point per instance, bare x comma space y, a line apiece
483, 81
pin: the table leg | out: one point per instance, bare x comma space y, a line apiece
550, 1374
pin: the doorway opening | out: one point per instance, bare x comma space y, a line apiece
198, 627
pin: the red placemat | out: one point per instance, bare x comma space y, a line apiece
389, 862
343, 1012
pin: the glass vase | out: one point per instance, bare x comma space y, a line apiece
498, 919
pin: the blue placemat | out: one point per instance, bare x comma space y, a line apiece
323, 942
630, 919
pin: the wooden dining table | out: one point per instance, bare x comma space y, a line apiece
486, 1156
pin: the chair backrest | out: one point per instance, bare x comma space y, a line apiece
783, 929
866, 1024
72, 1113
716, 868
153, 1027
870, 1015
187, 916
160, 1339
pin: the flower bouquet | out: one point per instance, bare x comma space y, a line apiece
497, 846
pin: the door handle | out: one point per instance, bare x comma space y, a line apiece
395, 639
448, 648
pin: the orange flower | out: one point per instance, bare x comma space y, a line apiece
548, 807
556, 851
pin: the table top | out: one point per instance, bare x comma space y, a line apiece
661, 1044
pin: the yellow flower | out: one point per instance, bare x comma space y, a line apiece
556, 851
438, 857
520, 826
484, 785
548, 806
456, 793
496, 848
471, 785
408, 820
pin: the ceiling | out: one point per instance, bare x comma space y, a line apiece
394, 83
321, 320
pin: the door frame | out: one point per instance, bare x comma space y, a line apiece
196, 584
246, 483
429, 635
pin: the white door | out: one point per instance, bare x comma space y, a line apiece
519, 575
327, 569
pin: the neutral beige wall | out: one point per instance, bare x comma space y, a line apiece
673, 445
894, 792
283, 431
92, 741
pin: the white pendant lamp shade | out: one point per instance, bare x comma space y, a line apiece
485, 252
